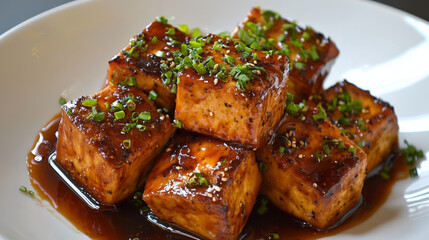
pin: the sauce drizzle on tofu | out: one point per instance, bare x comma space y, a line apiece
128, 223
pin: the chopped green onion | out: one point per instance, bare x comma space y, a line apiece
160, 54
161, 19
178, 123
145, 116
89, 103
184, 28
119, 115
152, 95
321, 115
126, 143
23, 189
131, 105
154, 40
62, 100
281, 149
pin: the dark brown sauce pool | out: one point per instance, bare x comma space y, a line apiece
128, 223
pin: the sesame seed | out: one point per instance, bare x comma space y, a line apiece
217, 188
189, 150
211, 114
197, 170
254, 149
300, 156
315, 185
226, 169
162, 61
216, 66
228, 51
271, 132
168, 149
172, 64
214, 199
157, 146
219, 163
162, 117
222, 173
255, 62
303, 118
279, 57
224, 179
166, 48
267, 56
215, 81
178, 167
209, 195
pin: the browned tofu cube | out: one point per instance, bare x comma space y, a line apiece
233, 93
370, 122
108, 141
145, 63
204, 185
311, 54
312, 171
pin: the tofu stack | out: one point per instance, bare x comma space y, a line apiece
238, 95
108, 141
230, 97
204, 185
312, 171
311, 54
144, 61
370, 122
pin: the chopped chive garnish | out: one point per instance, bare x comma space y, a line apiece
321, 115
152, 95
154, 40
131, 105
352, 150
184, 28
145, 116
263, 166
62, 100
119, 115
98, 117
89, 102
160, 54
126, 143
263, 208
161, 19
23, 189
195, 32
178, 123
299, 65
170, 31
281, 149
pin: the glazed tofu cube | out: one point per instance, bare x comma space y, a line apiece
313, 172
370, 122
145, 63
233, 93
108, 141
311, 54
204, 185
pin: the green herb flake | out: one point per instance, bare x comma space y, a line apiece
263, 206
153, 95
160, 54
154, 40
321, 115
162, 20
145, 116
184, 28
89, 103
263, 166
119, 115
126, 143
62, 101
178, 123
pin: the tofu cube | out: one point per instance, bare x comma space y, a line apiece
311, 54
230, 95
204, 185
313, 172
108, 141
145, 63
370, 122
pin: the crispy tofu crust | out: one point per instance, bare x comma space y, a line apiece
218, 209
110, 163
298, 44
313, 172
374, 129
216, 107
144, 65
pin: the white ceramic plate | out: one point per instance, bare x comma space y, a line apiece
65, 52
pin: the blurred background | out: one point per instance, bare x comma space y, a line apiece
13, 12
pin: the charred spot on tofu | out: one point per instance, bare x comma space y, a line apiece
145, 62
313, 172
108, 141
311, 54
230, 91
370, 122
204, 185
